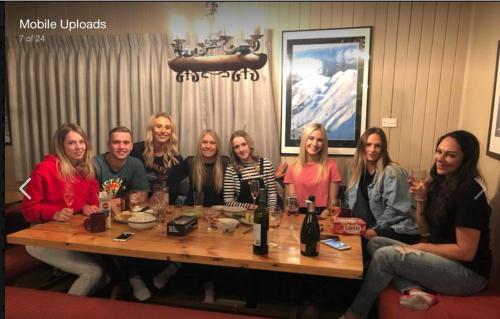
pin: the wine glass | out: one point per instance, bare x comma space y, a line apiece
292, 208
209, 215
418, 179
334, 210
68, 195
274, 223
335, 207
254, 189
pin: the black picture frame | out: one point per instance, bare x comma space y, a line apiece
493, 149
325, 77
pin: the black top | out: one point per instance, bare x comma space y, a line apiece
469, 209
159, 173
211, 196
363, 201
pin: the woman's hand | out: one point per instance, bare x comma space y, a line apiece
90, 209
369, 234
63, 215
325, 214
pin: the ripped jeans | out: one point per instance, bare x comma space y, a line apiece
411, 270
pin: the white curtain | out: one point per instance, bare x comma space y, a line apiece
102, 81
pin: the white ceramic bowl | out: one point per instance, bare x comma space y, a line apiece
141, 221
226, 223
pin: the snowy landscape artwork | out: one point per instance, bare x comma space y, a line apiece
325, 80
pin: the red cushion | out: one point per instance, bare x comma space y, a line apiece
18, 261
485, 305
22, 303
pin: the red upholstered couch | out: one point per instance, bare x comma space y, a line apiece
485, 305
22, 303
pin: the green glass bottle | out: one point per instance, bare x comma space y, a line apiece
310, 232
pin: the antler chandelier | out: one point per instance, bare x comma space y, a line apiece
237, 61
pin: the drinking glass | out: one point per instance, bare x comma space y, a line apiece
274, 223
198, 199
209, 215
254, 189
136, 199
418, 179
159, 211
292, 208
160, 193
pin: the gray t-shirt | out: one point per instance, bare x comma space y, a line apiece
131, 176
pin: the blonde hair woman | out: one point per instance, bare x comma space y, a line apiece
206, 170
245, 165
313, 173
159, 154
378, 191
69, 168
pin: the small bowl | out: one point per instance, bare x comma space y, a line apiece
226, 224
142, 221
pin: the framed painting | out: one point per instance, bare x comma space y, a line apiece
325, 80
493, 149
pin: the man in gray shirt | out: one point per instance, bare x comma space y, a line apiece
116, 171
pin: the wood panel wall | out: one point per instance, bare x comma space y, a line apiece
417, 65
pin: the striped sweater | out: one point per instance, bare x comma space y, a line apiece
249, 171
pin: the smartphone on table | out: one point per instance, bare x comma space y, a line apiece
124, 236
335, 244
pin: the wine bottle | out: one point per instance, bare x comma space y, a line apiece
261, 225
310, 232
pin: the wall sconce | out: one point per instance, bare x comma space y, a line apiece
237, 61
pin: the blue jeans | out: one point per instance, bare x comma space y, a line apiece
408, 271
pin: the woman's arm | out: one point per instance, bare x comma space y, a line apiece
464, 250
269, 180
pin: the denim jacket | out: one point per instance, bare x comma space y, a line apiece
391, 203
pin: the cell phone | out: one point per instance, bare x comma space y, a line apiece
124, 236
335, 244
334, 237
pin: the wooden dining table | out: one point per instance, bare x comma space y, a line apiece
203, 246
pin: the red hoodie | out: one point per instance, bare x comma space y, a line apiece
46, 191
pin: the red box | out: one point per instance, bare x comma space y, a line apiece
348, 226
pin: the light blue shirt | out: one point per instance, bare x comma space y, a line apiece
390, 202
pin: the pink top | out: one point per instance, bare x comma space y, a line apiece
305, 183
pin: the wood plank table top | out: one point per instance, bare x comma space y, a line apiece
202, 246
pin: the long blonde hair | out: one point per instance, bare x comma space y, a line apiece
169, 149
235, 160
66, 169
199, 170
323, 156
360, 157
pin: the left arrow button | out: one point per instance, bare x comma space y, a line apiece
23, 186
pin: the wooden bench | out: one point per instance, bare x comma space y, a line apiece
485, 305
22, 303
